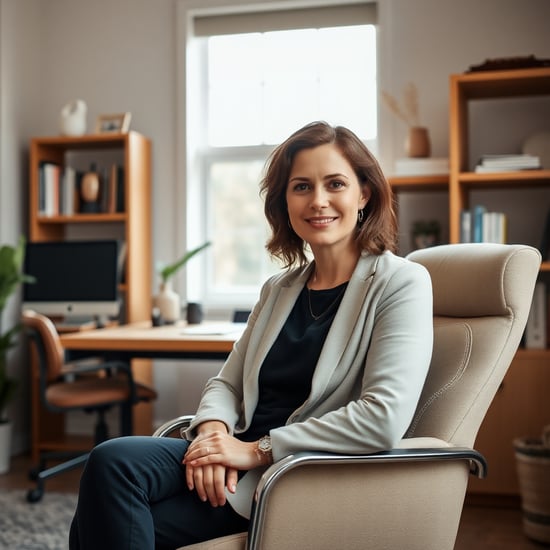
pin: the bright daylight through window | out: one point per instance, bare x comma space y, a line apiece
257, 88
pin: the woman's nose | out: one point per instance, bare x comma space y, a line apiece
319, 199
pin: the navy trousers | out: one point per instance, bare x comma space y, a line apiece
133, 495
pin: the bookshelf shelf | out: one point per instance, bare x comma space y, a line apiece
420, 183
84, 218
506, 179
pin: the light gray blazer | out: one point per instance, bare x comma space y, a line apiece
370, 372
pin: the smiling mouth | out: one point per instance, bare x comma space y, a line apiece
321, 221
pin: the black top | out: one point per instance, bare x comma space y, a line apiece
286, 373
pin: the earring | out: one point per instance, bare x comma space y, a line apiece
360, 216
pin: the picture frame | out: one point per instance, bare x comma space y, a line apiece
113, 123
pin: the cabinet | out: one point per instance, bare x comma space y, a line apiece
133, 225
521, 406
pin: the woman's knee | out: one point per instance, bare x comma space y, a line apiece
111, 456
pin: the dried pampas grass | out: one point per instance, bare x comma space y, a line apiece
408, 113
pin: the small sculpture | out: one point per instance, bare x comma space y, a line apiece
73, 118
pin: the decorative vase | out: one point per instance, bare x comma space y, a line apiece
90, 189
73, 118
417, 144
5, 446
168, 303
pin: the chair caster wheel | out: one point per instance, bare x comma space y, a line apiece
33, 473
35, 495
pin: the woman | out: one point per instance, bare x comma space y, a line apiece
333, 358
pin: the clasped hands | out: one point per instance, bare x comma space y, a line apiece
213, 460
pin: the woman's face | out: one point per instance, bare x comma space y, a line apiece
323, 197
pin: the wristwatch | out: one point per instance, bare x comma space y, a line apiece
264, 450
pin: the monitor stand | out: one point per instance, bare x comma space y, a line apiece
75, 322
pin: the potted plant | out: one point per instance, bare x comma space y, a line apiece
11, 275
167, 301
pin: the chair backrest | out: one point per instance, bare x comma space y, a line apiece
482, 295
50, 345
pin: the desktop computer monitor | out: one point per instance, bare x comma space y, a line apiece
74, 279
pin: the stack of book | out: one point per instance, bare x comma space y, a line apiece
478, 225
507, 163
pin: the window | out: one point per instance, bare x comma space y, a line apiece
250, 91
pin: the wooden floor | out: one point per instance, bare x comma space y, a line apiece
482, 527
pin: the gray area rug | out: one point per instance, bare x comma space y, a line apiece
40, 526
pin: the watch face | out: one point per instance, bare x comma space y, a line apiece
264, 444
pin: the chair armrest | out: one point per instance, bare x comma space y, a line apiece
180, 423
478, 464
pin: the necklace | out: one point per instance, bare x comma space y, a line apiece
329, 307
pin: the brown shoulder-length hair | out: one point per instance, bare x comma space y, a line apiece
376, 232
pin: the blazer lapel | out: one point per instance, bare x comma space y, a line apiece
343, 325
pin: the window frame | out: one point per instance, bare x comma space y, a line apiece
193, 226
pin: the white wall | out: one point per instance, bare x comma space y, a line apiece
121, 55
18, 100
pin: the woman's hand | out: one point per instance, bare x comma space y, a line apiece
210, 482
213, 460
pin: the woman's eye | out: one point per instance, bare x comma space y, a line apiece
337, 184
301, 187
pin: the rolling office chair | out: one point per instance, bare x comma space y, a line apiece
89, 386
412, 496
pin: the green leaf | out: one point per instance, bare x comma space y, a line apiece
168, 271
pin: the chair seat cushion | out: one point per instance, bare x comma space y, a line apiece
231, 542
92, 392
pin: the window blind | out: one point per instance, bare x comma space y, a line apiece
285, 19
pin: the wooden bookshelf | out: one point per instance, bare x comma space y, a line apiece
133, 224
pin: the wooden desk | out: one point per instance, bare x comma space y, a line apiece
137, 343
209, 340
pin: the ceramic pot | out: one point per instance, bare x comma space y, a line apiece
168, 303
5, 446
417, 144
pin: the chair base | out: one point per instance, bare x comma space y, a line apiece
41, 475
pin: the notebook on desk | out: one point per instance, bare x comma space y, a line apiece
213, 329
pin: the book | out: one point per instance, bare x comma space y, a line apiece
504, 160
69, 191
535, 330
50, 188
120, 193
421, 166
112, 184
507, 163
477, 223
545, 240
466, 226
494, 227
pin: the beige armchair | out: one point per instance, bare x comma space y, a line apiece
410, 497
